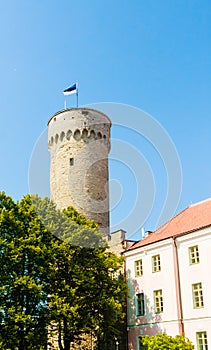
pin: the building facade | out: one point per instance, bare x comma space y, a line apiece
169, 281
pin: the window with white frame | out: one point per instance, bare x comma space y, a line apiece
158, 301
194, 255
140, 304
198, 301
138, 268
156, 267
201, 339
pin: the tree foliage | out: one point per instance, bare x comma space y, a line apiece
164, 342
79, 218
24, 260
56, 277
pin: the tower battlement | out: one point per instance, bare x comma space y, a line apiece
78, 124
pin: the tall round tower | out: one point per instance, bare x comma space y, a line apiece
79, 143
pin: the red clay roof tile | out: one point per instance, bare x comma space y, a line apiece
193, 218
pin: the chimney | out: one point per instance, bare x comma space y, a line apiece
147, 233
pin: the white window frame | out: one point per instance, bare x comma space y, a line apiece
194, 255
156, 265
201, 340
158, 301
198, 300
138, 268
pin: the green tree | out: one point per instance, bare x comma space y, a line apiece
85, 296
68, 225
24, 260
57, 277
79, 218
165, 342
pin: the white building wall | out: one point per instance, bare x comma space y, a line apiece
152, 323
195, 320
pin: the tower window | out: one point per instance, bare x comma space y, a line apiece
92, 135
68, 136
77, 135
84, 134
71, 161
62, 135
99, 135
56, 138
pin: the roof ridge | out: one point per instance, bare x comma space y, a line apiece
170, 220
186, 221
197, 203
161, 227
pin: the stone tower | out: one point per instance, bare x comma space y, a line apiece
79, 143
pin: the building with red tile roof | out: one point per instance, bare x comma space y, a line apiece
169, 281
194, 217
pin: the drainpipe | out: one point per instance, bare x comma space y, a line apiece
178, 287
126, 312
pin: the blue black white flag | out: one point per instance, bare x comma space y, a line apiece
71, 90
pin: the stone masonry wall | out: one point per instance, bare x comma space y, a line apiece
79, 143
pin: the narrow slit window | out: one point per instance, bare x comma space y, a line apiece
71, 161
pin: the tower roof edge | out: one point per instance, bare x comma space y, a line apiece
79, 109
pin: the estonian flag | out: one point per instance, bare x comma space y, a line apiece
71, 90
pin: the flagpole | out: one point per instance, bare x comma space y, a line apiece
77, 94
73, 89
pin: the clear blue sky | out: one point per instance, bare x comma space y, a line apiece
153, 55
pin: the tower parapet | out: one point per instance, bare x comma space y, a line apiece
79, 143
